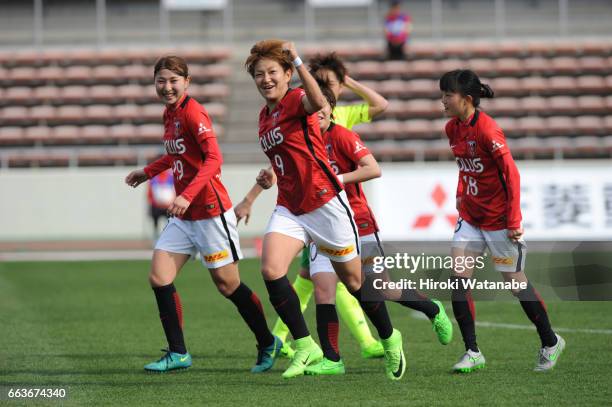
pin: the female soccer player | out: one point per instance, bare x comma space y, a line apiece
488, 201
353, 163
331, 71
311, 204
203, 220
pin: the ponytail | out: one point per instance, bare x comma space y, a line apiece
486, 91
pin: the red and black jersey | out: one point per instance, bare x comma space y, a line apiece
345, 148
489, 182
291, 139
195, 158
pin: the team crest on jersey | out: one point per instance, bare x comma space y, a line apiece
275, 117
472, 147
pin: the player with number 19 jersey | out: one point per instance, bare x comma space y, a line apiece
295, 149
489, 182
195, 158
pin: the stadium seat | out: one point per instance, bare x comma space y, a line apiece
148, 133
423, 88
424, 108
482, 66
107, 157
65, 135
78, 74
104, 94
123, 133
69, 114
25, 75
446, 65
534, 85
417, 128
562, 105
510, 67
397, 69
593, 65
129, 113
73, 94
14, 115
560, 126
532, 125
38, 134
131, 92
51, 74
537, 65
534, 105
423, 68
96, 134
510, 49
12, 136
589, 126
136, 73
46, 94
99, 114
507, 87
592, 105
509, 126
422, 50
592, 84
607, 124
505, 106
561, 85
564, 65
107, 74
19, 95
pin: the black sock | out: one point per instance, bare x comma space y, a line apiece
171, 316
463, 308
327, 328
287, 305
536, 311
417, 301
377, 314
250, 309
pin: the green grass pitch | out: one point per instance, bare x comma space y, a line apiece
91, 326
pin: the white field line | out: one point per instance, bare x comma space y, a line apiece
487, 324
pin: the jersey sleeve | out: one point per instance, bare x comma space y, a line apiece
494, 141
292, 103
199, 124
158, 166
351, 115
210, 167
351, 146
512, 180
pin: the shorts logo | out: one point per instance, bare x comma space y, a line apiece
506, 261
337, 252
214, 257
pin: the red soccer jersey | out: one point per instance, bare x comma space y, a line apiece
345, 149
489, 183
194, 156
292, 141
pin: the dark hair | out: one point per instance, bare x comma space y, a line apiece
329, 61
465, 82
270, 49
329, 95
172, 63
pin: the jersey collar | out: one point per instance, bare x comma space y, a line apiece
471, 121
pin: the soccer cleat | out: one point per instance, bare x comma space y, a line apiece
373, 350
395, 361
307, 352
287, 351
442, 325
170, 361
548, 356
267, 356
469, 362
325, 367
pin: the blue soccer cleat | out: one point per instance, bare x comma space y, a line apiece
170, 361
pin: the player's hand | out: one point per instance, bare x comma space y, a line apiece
136, 178
515, 234
266, 178
179, 206
243, 210
289, 48
349, 82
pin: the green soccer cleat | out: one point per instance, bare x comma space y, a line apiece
267, 356
287, 351
373, 351
469, 362
170, 361
442, 325
307, 352
395, 361
548, 356
325, 367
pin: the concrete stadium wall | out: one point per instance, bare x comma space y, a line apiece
94, 203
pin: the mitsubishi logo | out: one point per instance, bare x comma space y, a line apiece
438, 196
